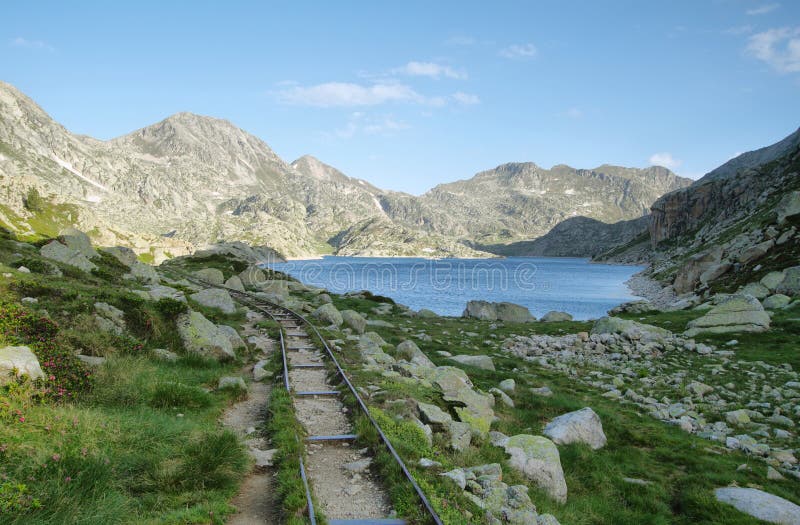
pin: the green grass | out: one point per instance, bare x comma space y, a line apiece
142, 444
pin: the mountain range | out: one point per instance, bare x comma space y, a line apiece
190, 180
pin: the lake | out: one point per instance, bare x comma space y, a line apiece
571, 285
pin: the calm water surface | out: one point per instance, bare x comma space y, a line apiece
542, 284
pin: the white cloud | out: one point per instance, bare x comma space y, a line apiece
574, 113
519, 51
665, 159
346, 94
467, 99
429, 69
739, 30
779, 47
361, 123
30, 44
763, 9
460, 41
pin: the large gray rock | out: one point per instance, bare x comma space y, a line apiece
555, 317
202, 337
78, 241
409, 351
483, 362
772, 280
714, 272
58, 252
537, 458
20, 361
252, 277
630, 329
734, 313
233, 336
354, 320
503, 504
155, 292
581, 426
790, 285
482, 310
235, 283
215, 298
757, 290
788, 207
760, 505
434, 416
754, 253
328, 314
776, 302
109, 318
513, 313
210, 275
274, 286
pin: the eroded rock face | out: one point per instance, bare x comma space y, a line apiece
734, 313
21, 361
581, 426
761, 505
202, 337
537, 458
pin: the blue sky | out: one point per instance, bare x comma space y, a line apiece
411, 94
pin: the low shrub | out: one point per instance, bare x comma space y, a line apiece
211, 460
66, 375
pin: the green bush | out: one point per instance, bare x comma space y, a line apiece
33, 201
38, 266
170, 308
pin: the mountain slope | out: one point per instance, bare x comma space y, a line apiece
522, 201
192, 180
732, 226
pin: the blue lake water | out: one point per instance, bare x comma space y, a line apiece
542, 284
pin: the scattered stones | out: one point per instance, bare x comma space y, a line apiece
630, 329
19, 361
259, 370
761, 505
737, 417
776, 302
581, 426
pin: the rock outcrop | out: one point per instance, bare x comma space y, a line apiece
508, 312
734, 313
537, 458
202, 337
581, 426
